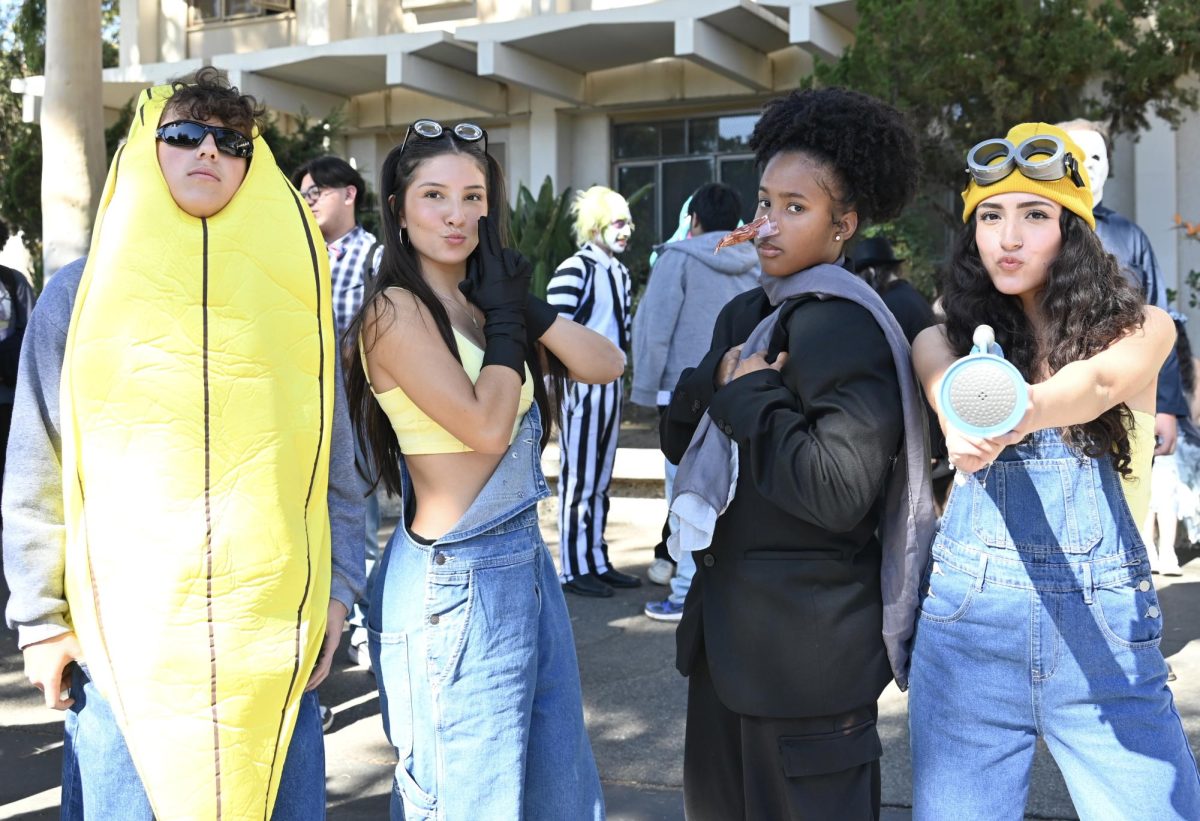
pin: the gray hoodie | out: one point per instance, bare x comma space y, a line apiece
673, 325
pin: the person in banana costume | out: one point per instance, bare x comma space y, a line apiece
183, 531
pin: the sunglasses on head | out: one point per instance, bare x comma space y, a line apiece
431, 130
1041, 157
189, 134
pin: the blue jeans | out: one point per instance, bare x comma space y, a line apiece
99, 780
685, 568
358, 613
1039, 618
475, 659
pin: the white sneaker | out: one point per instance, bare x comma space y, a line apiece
360, 656
326, 718
660, 572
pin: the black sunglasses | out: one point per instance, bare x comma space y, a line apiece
189, 134
431, 130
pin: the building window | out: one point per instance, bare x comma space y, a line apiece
208, 11
676, 157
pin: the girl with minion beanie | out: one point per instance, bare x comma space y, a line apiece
1038, 616
592, 288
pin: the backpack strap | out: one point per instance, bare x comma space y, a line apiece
368, 269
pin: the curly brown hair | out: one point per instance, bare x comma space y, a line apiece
1088, 304
207, 95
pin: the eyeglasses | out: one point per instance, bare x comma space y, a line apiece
431, 130
315, 192
189, 134
1055, 163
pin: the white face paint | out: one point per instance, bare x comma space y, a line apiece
615, 236
1095, 160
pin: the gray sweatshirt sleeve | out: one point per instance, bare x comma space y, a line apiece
34, 527
654, 327
347, 505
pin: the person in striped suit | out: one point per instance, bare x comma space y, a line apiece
592, 288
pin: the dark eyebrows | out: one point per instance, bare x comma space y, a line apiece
991, 206
787, 195
434, 184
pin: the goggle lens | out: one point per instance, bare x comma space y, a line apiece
992, 160
189, 134
431, 130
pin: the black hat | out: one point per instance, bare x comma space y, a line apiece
874, 251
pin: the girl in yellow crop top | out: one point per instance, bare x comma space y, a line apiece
445, 359
1037, 613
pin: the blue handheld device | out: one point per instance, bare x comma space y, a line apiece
983, 394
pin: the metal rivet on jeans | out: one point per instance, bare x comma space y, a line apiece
1152, 612
434, 619
1144, 585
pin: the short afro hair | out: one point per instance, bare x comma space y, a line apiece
207, 95
866, 143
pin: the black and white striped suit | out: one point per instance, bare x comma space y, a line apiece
592, 289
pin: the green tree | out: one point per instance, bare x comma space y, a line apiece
967, 70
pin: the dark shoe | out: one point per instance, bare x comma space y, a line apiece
616, 578
588, 585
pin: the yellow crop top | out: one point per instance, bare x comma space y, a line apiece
415, 431
1141, 452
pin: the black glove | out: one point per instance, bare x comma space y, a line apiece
498, 282
539, 316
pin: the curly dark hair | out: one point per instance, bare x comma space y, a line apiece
1087, 304
207, 95
866, 143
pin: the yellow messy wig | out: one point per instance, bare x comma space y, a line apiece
594, 209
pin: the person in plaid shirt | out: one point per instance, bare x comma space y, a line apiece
334, 191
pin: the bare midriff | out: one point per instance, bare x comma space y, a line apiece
445, 486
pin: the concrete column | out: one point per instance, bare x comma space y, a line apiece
544, 150
321, 21
139, 32
72, 130
1156, 195
172, 32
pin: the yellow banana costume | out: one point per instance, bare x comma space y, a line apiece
197, 406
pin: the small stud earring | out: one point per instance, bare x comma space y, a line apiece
837, 237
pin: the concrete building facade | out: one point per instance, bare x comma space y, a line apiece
618, 92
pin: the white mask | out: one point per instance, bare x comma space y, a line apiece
615, 236
1095, 159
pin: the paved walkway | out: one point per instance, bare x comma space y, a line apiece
634, 703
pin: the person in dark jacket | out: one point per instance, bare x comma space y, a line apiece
781, 630
16, 303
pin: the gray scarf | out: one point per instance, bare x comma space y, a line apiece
707, 477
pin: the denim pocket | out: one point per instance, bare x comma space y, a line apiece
447, 616
389, 655
1037, 505
946, 592
1128, 616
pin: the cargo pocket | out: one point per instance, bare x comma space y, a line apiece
389, 655
833, 768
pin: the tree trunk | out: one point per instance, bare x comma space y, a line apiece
72, 130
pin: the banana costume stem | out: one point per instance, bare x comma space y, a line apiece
196, 401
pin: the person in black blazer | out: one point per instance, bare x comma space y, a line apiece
781, 631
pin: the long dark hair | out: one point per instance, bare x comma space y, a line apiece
1087, 304
401, 267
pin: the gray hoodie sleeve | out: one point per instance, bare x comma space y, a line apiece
34, 529
654, 326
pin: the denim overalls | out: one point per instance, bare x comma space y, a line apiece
476, 662
1038, 617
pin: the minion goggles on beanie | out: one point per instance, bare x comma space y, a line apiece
1048, 162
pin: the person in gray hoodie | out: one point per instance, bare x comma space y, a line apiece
672, 328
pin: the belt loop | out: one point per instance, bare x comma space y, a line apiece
1088, 587
981, 573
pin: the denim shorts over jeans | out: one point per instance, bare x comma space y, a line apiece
1039, 618
99, 780
475, 661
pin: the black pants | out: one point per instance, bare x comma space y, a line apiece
777, 769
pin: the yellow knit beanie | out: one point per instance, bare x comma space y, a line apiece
1064, 191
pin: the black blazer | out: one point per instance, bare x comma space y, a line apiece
786, 603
